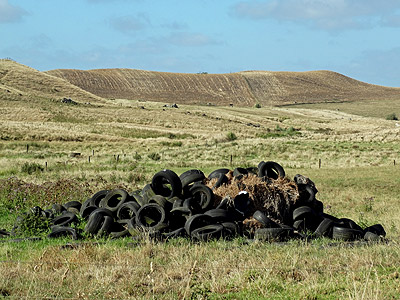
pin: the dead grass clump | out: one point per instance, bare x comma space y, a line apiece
273, 197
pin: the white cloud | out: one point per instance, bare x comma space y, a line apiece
130, 24
322, 14
10, 13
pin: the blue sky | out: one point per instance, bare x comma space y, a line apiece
358, 38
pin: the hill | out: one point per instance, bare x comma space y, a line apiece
242, 88
20, 82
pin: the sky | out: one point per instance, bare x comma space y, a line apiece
357, 38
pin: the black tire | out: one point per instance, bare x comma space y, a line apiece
377, 229
97, 197
240, 171
85, 204
119, 229
65, 219
372, 237
74, 204
241, 203
346, 234
104, 212
49, 213
303, 212
95, 221
318, 206
191, 176
299, 225
87, 211
306, 213
252, 170
73, 210
180, 232
162, 201
127, 210
324, 228
271, 169
61, 231
225, 203
105, 227
263, 219
57, 208
203, 195
208, 232
231, 229
222, 179
162, 179
273, 234
132, 228
151, 217
348, 223
114, 199
306, 194
197, 221
217, 173
220, 215
145, 195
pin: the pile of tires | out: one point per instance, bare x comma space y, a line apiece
186, 206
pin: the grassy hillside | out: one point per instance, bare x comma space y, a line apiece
243, 88
22, 83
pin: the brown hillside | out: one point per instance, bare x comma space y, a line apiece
19, 82
243, 88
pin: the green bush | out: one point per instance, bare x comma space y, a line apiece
231, 136
32, 223
257, 105
31, 168
392, 116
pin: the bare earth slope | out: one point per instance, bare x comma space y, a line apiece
243, 88
19, 82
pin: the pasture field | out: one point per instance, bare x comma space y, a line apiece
352, 155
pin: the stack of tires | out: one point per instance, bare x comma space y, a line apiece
184, 206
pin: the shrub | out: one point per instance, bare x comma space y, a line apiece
392, 116
257, 105
31, 168
231, 136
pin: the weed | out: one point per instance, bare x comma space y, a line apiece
32, 223
392, 116
231, 136
31, 168
154, 156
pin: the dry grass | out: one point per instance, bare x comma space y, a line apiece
183, 270
243, 89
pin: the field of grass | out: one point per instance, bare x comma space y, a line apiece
122, 144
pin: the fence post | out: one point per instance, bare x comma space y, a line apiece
27, 148
89, 159
45, 165
319, 164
